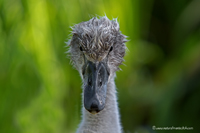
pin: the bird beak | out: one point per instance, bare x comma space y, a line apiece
95, 86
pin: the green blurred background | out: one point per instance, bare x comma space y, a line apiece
159, 86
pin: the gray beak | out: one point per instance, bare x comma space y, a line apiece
95, 86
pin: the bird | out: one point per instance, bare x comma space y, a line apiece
96, 49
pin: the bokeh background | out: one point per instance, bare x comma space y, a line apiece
159, 86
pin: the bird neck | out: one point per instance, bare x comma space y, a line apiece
106, 120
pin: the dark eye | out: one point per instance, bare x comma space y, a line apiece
81, 49
111, 48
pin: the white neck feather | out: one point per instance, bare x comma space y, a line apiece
107, 120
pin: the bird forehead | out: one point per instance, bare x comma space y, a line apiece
95, 48
95, 55
97, 34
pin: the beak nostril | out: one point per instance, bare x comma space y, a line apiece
100, 83
89, 82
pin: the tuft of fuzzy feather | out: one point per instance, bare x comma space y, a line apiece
95, 39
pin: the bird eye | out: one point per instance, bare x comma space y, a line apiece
81, 49
111, 48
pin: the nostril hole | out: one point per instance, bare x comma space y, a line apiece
100, 83
89, 82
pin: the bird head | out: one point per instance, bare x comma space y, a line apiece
96, 48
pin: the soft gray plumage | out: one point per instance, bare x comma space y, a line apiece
99, 40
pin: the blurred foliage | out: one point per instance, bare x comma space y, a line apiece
160, 83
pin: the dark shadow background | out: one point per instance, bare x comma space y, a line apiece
159, 86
